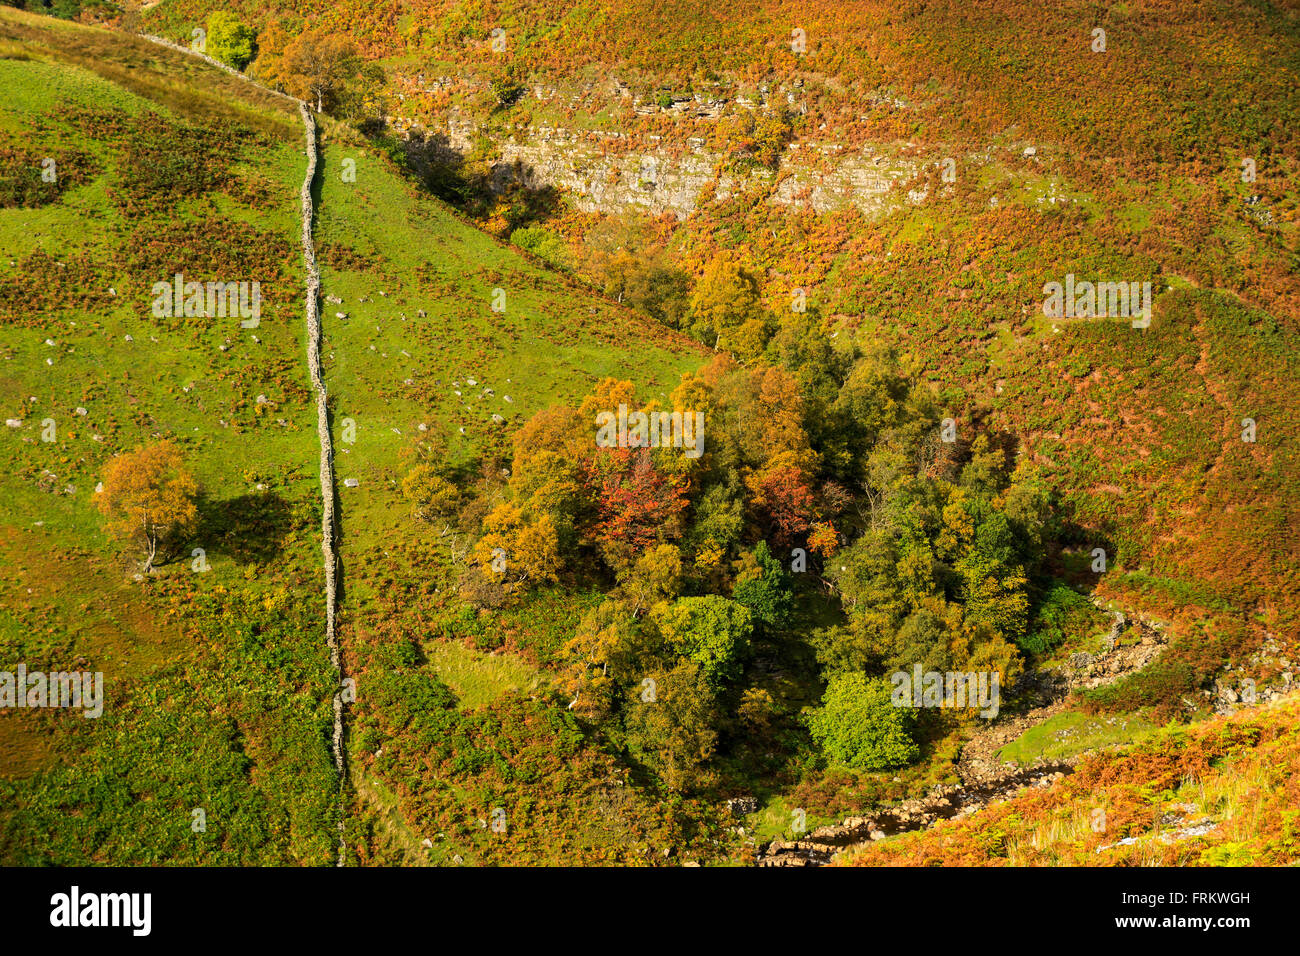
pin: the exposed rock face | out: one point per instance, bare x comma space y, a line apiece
647, 180
1267, 676
599, 182
614, 171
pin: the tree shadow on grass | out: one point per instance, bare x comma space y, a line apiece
251, 528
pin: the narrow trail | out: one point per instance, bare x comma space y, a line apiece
329, 527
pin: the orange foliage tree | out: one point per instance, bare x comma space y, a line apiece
149, 498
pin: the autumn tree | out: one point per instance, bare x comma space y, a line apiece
726, 310
636, 504
518, 553
656, 576
267, 68
316, 66
785, 502
149, 498
430, 492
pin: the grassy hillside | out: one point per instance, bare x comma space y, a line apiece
455, 382
1219, 794
217, 683
500, 722
1123, 163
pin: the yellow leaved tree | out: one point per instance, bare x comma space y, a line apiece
149, 498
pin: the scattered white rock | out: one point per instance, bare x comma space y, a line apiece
14, 422
350, 483
81, 411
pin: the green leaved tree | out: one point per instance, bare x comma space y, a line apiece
858, 725
229, 40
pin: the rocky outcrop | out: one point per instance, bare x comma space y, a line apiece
1266, 676
613, 171
1084, 671
942, 803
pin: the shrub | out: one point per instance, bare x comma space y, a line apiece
228, 40
1063, 611
858, 725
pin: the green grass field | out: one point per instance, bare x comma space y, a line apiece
218, 682
1072, 733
